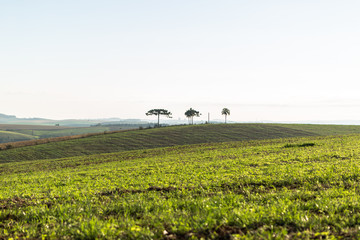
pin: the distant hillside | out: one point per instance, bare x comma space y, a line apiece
11, 119
4, 116
168, 136
11, 133
6, 136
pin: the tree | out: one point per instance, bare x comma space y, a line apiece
225, 112
158, 112
191, 113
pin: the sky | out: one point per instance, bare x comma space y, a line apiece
264, 60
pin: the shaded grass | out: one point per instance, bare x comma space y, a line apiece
300, 145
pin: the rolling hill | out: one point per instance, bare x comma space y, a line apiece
298, 188
169, 136
8, 136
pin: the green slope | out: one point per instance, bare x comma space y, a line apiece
150, 138
324, 130
237, 190
9, 136
164, 137
43, 131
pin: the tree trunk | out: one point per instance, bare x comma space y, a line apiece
158, 120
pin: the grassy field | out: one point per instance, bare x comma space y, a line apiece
64, 132
149, 138
8, 132
265, 189
165, 137
324, 130
6, 136
42, 131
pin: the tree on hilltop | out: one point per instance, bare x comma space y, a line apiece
191, 113
158, 112
225, 112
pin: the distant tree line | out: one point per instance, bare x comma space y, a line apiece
190, 114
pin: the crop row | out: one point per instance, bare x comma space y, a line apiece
307, 188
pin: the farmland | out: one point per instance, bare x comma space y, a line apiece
298, 187
6, 136
162, 137
14, 133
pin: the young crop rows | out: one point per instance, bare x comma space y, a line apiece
285, 188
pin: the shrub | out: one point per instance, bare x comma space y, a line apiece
8, 146
299, 145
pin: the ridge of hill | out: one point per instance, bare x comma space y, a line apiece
168, 136
35, 121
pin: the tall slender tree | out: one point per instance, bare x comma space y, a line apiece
158, 112
225, 112
191, 113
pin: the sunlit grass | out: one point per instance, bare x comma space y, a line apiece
258, 189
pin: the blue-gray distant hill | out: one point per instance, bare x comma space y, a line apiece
11, 119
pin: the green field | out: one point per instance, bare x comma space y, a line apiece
14, 133
169, 136
6, 136
297, 188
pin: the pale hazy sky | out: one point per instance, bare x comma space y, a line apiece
264, 60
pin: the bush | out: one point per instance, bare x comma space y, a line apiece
299, 145
8, 146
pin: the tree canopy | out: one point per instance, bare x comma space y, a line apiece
191, 113
225, 112
158, 112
